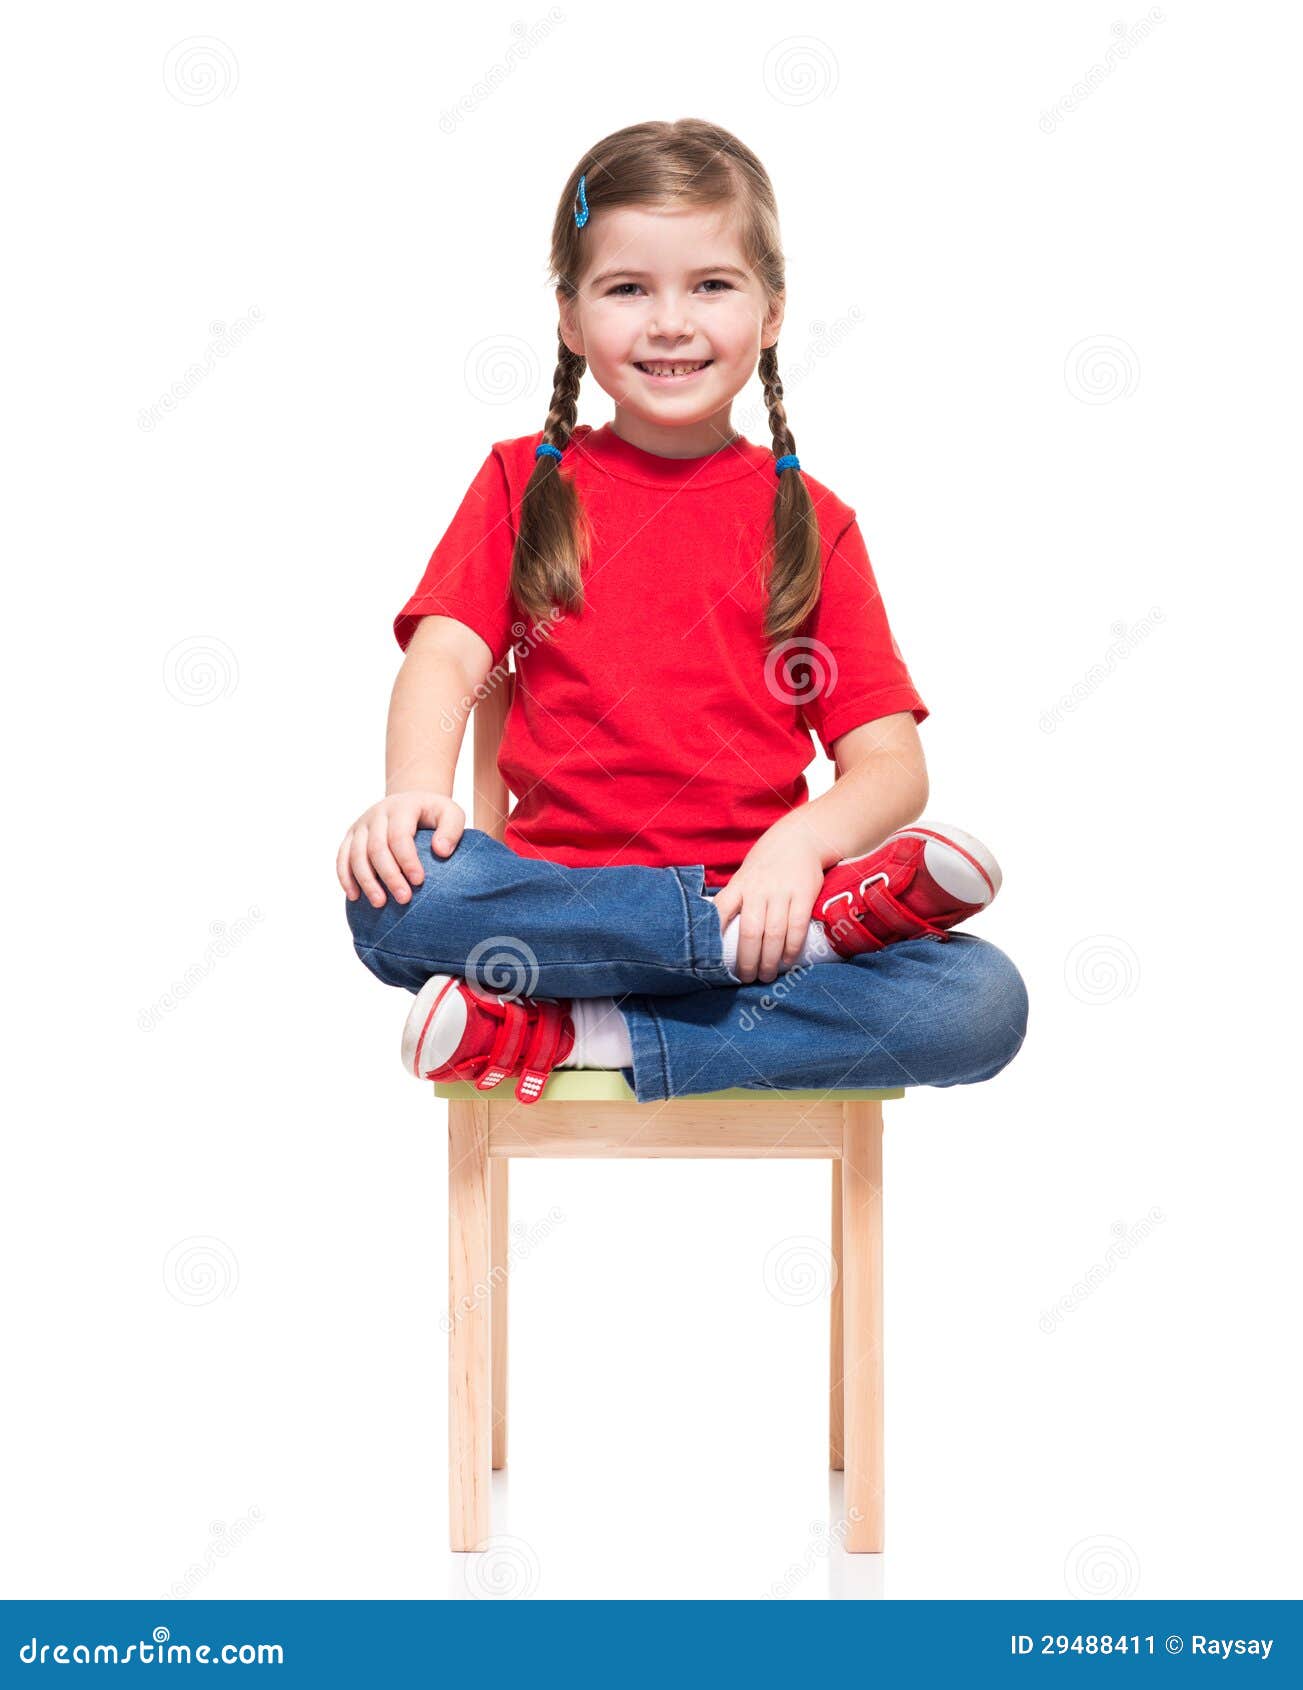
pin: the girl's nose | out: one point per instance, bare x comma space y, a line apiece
669, 322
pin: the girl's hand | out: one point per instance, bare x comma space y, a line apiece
382, 842
774, 891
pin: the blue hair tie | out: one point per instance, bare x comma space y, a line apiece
552, 451
791, 461
582, 218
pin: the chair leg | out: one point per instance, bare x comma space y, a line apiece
499, 1229
862, 1306
469, 1317
837, 1394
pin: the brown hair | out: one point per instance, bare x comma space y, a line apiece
696, 164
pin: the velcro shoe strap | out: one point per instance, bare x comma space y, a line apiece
542, 1051
506, 1046
847, 934
895, 919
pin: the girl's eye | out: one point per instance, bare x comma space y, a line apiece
711, 281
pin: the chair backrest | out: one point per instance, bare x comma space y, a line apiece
492, 801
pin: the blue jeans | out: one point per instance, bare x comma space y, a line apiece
921, 1012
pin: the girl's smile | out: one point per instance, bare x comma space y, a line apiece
663, 371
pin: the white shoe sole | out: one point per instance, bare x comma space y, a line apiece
434, 1026
973, 876
961, 865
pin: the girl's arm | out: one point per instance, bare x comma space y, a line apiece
881, 785
431, 703
433, 696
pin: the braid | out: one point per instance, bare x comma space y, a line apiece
561, 417
554, 538
767, 369
796, 576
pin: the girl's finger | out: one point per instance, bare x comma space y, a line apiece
448, 832
750, 935
386, 867
361, 866
444, 818
403, 845
798, 925
342, 869
775, 938
726, 906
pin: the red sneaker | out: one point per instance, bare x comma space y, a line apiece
460, 1031
918, 882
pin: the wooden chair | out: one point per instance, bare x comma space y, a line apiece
585, 1112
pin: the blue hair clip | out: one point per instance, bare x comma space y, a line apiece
791, 461
581, 217
552, 451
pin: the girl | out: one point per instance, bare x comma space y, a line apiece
684, 608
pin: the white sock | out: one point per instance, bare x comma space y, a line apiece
601, 1035
816, 948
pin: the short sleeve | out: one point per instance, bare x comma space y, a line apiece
469, 573
862, 673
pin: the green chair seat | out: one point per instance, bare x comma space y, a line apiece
608, 1085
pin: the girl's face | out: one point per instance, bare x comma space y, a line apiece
665, 289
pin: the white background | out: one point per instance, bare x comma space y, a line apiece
224, 1228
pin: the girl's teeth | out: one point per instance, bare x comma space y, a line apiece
672, 369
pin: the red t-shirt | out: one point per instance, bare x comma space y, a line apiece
648, 729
